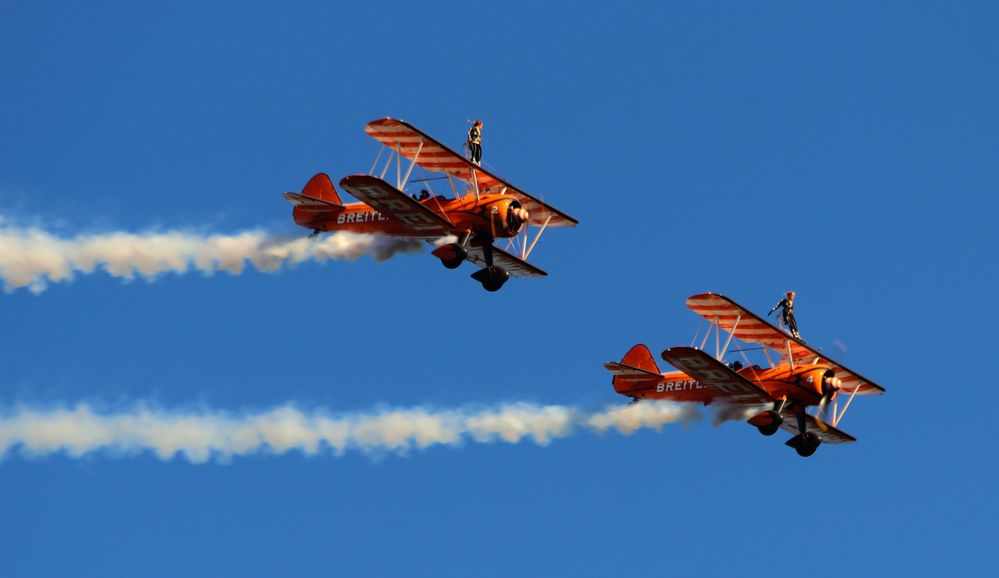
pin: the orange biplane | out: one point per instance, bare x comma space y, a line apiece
801, 377
484, 207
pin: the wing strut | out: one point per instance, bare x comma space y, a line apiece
717, 338
836, 418
453, 187
388, 162
536, 237
412, 164
770, 361
698, 332
475, 181
398, 165
708, 334
377, 158
731, 334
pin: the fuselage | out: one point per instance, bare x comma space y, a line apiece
802, 384
489, 215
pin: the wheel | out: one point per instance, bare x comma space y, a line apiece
452, 263
774, 425
492, 278
492, 285
809, 443
768, 430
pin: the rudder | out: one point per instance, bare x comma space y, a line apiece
639, 356
637, 370
321, 187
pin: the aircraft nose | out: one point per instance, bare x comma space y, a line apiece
830, 384
518, 216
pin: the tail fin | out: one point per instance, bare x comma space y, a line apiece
639, 356
318, 191
637, 370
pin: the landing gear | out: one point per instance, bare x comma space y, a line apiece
768, 422
775, 422
453, 254
492, 277
805, 443
314, 233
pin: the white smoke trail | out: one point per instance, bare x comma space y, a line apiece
33, 258
200, 436
725, 413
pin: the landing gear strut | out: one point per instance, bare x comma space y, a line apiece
492, 277
805, 443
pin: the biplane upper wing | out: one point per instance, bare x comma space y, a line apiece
749, 327
395, 204
432, 155
730, 386
827, 433
514, 266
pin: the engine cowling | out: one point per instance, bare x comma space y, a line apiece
509, 216
822, 381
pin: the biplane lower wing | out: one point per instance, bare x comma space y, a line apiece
825, 432
726, 384
397, 205
748, 327
515, 266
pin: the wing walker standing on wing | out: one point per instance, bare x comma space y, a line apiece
475, 143
801, 377
484, 207
786, 306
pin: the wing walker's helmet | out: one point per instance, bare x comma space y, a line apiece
478, 123
790, 294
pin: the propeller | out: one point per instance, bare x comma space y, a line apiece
830, 389
516, 216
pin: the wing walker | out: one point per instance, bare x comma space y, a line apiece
797, 379
483, 209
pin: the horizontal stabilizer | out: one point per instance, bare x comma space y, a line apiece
318, 201
300, 200
623, 369
636, 371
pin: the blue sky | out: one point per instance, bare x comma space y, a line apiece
843, 150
